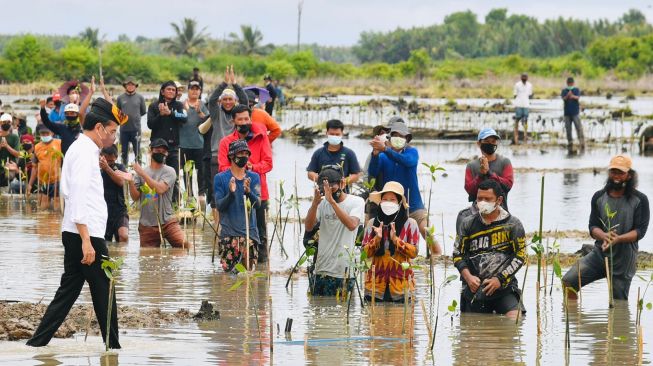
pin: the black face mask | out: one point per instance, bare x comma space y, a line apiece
488, 148
27, 147
244, 129
71, 118
241, 161
337, 194
612, 185
159, 157
6, 127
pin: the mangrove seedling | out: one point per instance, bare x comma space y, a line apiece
453, 309
111, 266
308, 253
444, 284
608, 227
641, 301
248, 276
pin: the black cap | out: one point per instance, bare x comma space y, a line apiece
267, 77
570, 80
158, 142
251, 96
332, 173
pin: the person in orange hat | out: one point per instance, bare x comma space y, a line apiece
618, 221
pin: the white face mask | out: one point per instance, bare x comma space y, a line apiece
398, 142
389, 208
334, 139
486, 208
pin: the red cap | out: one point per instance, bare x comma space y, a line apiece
27, 137
56, 97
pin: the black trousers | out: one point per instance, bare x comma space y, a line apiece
72, 281
173, 161
197, 156
261, 211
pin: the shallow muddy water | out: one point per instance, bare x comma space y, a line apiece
32, 262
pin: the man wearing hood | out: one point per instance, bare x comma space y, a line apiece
165, 117
489, 250
68, 130
221, 103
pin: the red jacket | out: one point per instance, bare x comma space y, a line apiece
261, 158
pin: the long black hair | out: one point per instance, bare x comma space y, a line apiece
399, 219
629, 186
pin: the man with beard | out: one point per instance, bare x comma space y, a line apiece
627, 227
165, 117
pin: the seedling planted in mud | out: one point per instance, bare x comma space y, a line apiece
444, 284
111, 266
245, 276
608, 227
641, 301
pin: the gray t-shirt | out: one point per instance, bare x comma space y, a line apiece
332, 258
133, 106
164, 174
189, 134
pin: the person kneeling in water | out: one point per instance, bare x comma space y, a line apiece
489, 250
390, 239
156, 203
339, 215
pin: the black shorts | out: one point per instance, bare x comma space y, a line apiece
114, 224
500, 303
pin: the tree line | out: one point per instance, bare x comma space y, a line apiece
459, 48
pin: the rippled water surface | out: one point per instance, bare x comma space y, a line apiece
32, 261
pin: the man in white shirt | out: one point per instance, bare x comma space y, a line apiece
83, 226
523, 92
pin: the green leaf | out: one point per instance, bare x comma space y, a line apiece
310, 251
240, 268
302, 260
642, 278
107, 272
621, 338
259, 275
536, 239
556, 268
448, 280
363, 256
649, 306
236, 285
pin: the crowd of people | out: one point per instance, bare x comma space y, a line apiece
229, 141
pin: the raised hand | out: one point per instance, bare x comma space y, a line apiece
393, 234
232, 185
247, 184
92, 88
378, 230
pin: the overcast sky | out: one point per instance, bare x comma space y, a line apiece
326, 22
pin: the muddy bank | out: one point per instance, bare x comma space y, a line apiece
18, 320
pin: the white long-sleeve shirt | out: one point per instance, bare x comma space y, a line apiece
522, 92
83, 189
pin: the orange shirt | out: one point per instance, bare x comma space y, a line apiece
261, 116
48, 157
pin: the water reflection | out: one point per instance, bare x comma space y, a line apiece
481, 339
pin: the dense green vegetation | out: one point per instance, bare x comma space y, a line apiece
460, 48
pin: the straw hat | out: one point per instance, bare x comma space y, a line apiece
394, 187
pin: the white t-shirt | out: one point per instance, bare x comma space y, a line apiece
332, 258
522, 92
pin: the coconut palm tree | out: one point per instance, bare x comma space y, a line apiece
187, 40
250, 41
91, 36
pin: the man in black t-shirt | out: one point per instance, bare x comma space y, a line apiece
335, 153
118, 218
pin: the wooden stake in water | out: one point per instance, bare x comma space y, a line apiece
523, 288
607, 277
111, 293
539, 264
373, 289
426, 321
271, 325
246, 234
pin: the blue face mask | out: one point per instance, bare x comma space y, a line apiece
334, 139
46, 139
